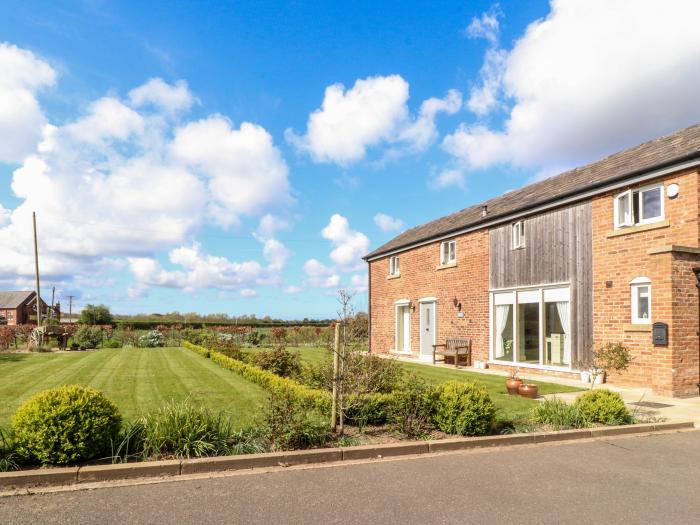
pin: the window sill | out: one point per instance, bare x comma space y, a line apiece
640, 327
393, 276
445, 266
627, 230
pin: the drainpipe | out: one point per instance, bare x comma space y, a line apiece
696, 271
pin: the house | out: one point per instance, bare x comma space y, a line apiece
539, 276
20, 308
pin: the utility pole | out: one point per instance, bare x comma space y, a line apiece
36, 267
53, 298
70, 309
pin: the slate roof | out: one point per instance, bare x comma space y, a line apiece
13, 299
654, 154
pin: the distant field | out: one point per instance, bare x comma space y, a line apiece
135, 379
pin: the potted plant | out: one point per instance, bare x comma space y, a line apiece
528, 390
610, 356
513, 382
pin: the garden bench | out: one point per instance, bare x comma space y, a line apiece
454, 347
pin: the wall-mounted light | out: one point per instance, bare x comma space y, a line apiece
457, 304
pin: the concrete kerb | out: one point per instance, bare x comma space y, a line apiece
174, 468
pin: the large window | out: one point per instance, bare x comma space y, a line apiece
448, 252
531, 327
641, 300
637, 207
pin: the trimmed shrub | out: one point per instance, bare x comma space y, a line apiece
289, 423
309, 397
88, 337
65, 424
255, 338
368, 409
464, 409
152, 339
558, 414
604, 407
411, 407
279, 361
185, 430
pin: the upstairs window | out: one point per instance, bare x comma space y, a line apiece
448, 252
518, 233
637, 207
641, 300
394, 266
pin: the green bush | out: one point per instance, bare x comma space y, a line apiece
290, 425
88, 337
368, 409
603, 406
411, 407
65, 424
279, 361
558, 414
184, 430
255, 338
152, 339
111, 343
364, 373
464, 409
7, 452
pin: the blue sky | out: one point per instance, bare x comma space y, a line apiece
124, 130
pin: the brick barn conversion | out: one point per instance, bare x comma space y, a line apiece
537, 277
20, 308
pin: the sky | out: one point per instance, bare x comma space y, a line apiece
242, 157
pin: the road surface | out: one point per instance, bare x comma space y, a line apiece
642, 479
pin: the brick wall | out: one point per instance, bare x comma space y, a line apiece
617, 260
467, 281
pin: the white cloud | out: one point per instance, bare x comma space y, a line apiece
271, 224
485, 26
591, 78
199, 270
249, 292
171, 98
319, 275
387, 223
134, 191
291, 289
371, 113
22, 76
349, 245
246, 172
359, 283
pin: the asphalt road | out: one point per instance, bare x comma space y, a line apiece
645, 479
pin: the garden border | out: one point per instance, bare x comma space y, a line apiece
174, 468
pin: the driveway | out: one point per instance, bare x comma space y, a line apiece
642, 479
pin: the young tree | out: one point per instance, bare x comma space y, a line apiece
92, 314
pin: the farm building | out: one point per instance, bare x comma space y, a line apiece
19, 307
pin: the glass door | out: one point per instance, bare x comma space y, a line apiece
528, 326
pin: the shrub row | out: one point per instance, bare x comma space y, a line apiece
309, 397
601, 407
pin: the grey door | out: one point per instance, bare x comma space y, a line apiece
427, 328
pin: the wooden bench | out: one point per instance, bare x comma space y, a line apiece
454, 347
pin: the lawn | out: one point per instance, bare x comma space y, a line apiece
510, 407
136, 380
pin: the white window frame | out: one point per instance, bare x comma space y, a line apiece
518, 234
394, 265
646, 189
451, 250
635, 285
529, 294
637, 194
402, 303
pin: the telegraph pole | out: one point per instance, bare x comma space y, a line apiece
70, 308
53, 298
36, 267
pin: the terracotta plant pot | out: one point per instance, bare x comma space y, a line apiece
527, 390
512, 386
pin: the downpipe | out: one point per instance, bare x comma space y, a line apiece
696, 271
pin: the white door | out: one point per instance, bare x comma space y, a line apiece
427, 329
403, 329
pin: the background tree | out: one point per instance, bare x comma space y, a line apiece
92, 314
